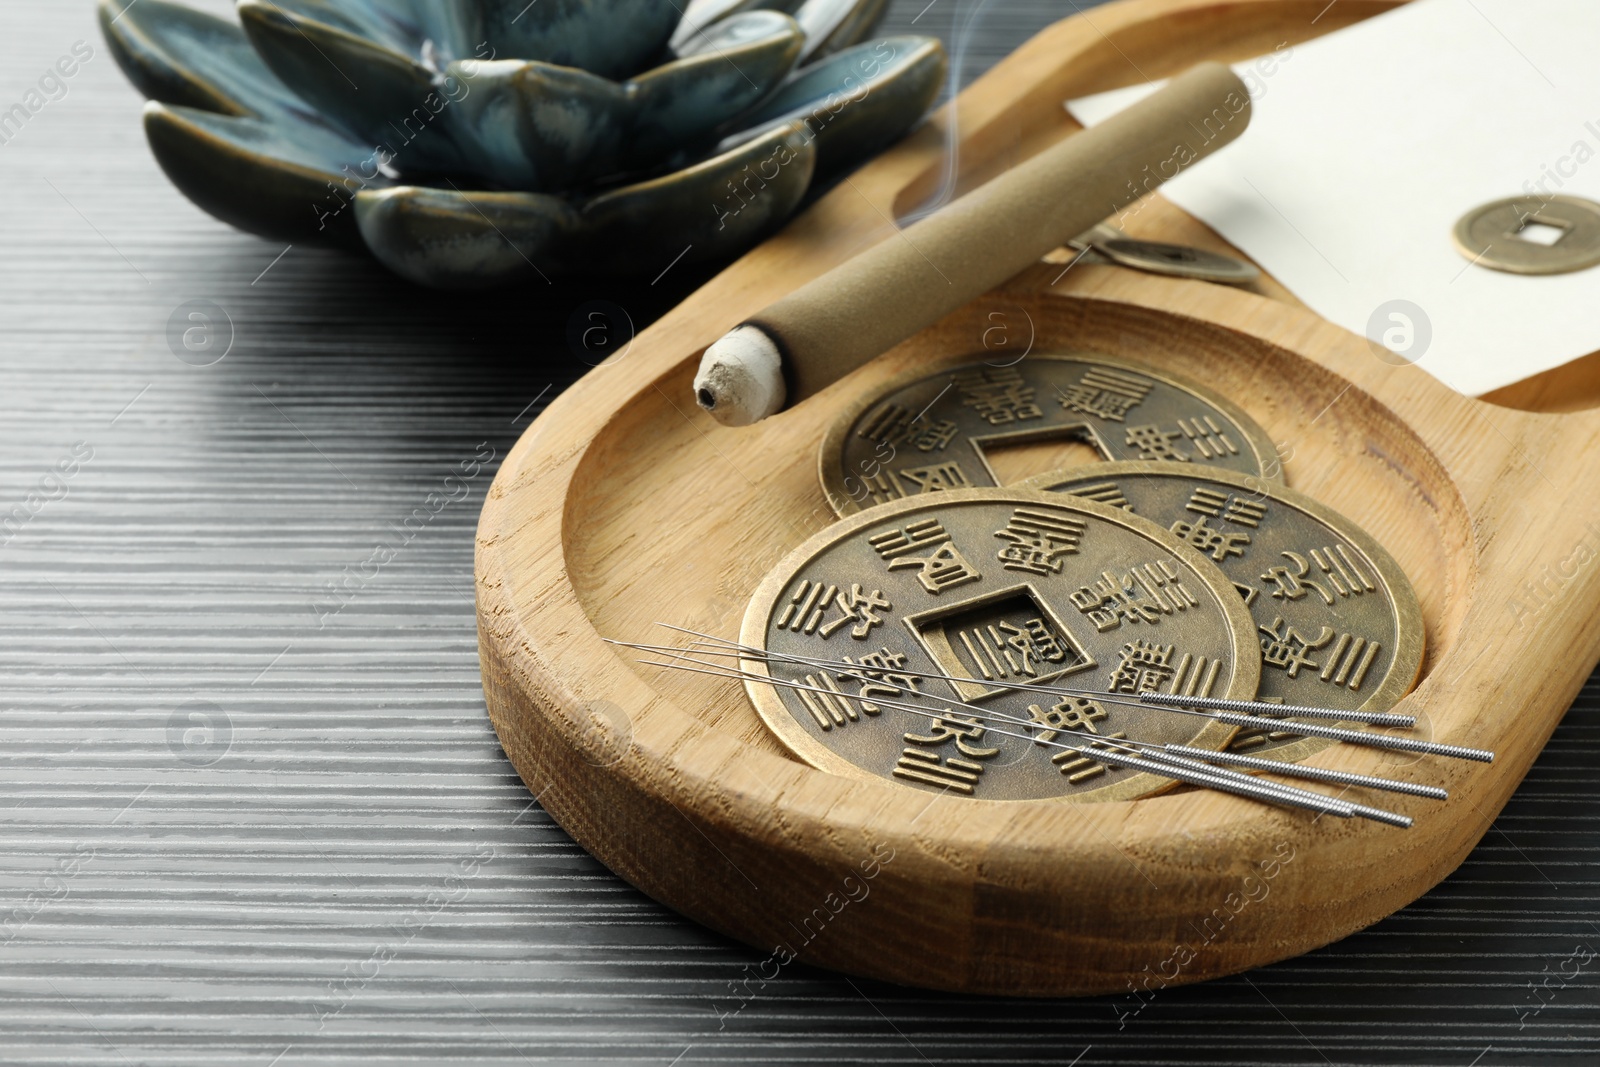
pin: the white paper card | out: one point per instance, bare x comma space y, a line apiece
1367, 145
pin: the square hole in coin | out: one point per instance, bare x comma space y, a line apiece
1015, 457
1541, 231
1007, 636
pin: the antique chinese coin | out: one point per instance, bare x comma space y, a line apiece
926, 433
987, 589
1337, 621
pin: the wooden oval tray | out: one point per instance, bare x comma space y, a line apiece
623, 506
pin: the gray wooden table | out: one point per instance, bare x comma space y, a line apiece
237, 827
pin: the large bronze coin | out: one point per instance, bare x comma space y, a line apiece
1338, 622
926, 433
990, 588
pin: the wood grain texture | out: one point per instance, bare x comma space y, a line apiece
224, 904
624, 506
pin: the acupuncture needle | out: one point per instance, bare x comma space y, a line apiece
1214, 778
1173, 754
1276, 767
1171, 702
1293, 770
1157, 752
747, 652
1296, 770
1268, 710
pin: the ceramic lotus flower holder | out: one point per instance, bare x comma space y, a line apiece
474, 142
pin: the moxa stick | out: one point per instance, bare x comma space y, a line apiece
865, 306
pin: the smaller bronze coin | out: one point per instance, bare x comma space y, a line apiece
987, 589
1498, 235
1338, 623
930, 432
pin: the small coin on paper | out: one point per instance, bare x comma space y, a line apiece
952, 602
930, 432
1337, 620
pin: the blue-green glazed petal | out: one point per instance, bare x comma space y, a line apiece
858, 102
832, 25
396, 24
303, 123
700, 15
452, 239
386, 98
744, 31
612, 38
734, 65
294, 185
537, 126
178, 55
717, 207
448, 239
